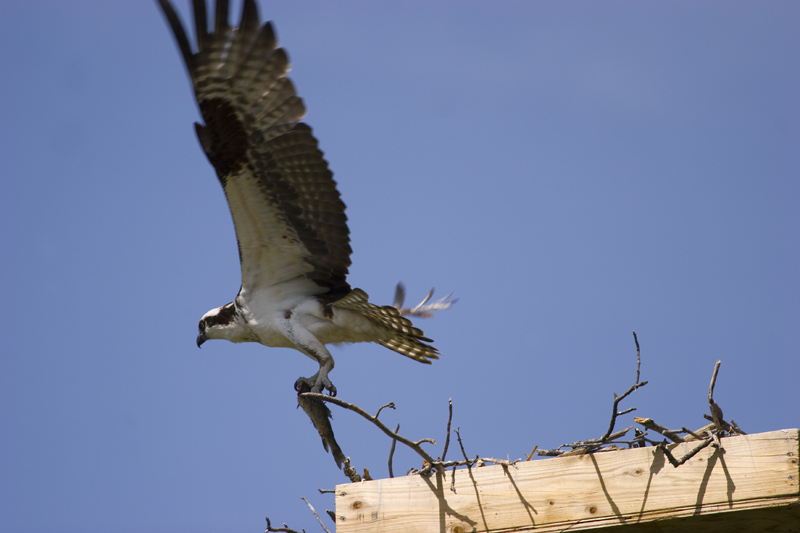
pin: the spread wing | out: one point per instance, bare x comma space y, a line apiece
288, 214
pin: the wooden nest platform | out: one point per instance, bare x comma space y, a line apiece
747, 483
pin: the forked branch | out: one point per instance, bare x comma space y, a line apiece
414, 445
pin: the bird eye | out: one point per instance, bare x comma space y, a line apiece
202, 325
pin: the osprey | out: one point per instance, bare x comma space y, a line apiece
294, 244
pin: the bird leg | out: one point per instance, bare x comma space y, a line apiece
307, 343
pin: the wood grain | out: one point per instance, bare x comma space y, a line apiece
637, 486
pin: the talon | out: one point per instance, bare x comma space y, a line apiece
324, 384
316, 383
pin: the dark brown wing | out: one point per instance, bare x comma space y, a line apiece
288, 214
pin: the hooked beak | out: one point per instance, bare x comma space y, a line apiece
201, 338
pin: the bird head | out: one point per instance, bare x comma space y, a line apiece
221, 323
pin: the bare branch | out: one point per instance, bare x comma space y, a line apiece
617, 399
615, 413
391, 451
697, 434
356, 409
284, 529
609, 438
692, 435
501, 462
463, 451
649, 423
315, 514
528, 457
716, 411
349, 470
713, 381
619, 434
593, 445
478, 459
678, 462
449, 420
389, 405
713, 435
639, 439
638, 357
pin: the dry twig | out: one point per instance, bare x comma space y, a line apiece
350, 471
609, 440
678, 462
716, 411
414, 445
449, 420
463, 451
528, 457
391, 451
315, 514
638, 356
714, 431
284, 529
651, 424
614, 413
389, 405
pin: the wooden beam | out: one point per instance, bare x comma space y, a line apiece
753, 476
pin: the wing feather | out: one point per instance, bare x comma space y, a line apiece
221, 16
288, 213
180, 34
200, 22
401, 335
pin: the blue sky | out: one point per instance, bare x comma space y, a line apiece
572, 171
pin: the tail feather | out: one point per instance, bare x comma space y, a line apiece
401, 335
